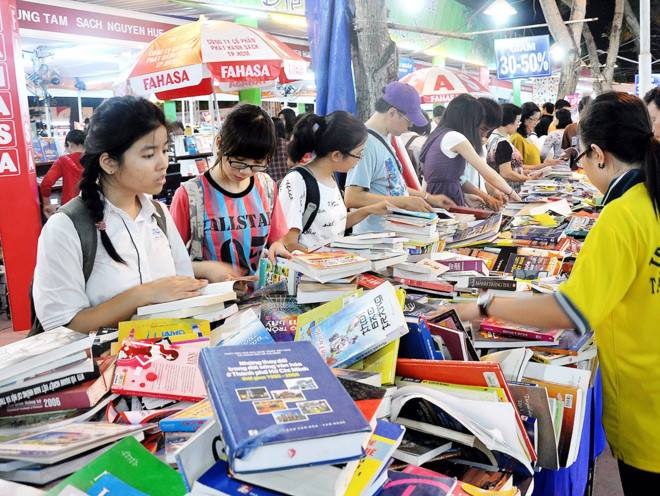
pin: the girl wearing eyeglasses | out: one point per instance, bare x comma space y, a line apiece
614, 288
231, 213
337, 142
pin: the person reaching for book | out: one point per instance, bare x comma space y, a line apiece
614, 287
140, 258
311, 199
453, 143
229, 215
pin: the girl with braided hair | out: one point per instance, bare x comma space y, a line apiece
137, 262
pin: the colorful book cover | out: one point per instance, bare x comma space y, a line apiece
322, 312
283, 404
131, 462
189, 419
405, 483
159, 370
109, 485
280, 315
509, 329
270, 273
382, 444
253, 333
364, 325
175, 330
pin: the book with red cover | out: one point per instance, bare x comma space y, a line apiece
482, 374
436, 287
160, 370
511, 330
84, 395
369, 281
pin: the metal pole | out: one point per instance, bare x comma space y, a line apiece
644, 46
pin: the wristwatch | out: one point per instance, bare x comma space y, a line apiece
483, 302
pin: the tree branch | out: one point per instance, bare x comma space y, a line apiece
615, 41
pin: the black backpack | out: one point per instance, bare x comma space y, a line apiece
312, 196
86, 229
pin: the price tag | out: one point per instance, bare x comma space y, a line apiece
523, 57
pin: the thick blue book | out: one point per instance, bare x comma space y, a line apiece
217, 481
280, 406
418, 343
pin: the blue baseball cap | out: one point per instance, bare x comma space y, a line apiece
405, 98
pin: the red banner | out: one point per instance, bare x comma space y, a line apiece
42, 17
20, 220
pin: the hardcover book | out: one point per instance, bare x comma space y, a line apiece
280, 406
364, 325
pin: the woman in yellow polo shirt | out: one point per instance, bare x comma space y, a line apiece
614, 287
531, 155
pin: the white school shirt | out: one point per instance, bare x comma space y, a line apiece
330, 221
59, 288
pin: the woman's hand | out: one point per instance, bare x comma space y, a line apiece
214, 271
493, 203
171, 289
441, 201
277, 249
413, 203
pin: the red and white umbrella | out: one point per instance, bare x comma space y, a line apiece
441, 85
183, 61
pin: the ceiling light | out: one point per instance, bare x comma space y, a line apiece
500, 8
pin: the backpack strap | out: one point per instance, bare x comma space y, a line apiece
268, 185
312, 196
161, 220
86, 229
195, 192
389, 148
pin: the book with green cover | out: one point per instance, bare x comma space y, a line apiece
322, 312
134, 465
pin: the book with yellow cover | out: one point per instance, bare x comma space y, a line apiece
322, 312
175, 330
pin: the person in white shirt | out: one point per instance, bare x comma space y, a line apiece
136, 263
337, 142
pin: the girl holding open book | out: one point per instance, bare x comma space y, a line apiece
614, 288
230, 214
337, 142
113, 249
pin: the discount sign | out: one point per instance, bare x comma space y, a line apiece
523, 57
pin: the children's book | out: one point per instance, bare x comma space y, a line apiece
362, 326
134, 465
159, 370
280, 406
189, 419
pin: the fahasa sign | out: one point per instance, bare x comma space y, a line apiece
42, 17
20, 220
171, 79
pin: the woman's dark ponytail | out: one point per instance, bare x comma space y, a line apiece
338, 131
620, 124
304, 137
114, 127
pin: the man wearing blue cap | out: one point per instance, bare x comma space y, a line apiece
378, 175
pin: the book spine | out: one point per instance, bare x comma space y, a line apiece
62, 400
220, 411
46, 387
516, 333
448, 288
489, 283
464, 265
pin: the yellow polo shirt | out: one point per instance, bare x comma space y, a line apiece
615, 290
531, 155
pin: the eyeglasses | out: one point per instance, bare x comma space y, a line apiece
359, 157
238, 165
402, 114
581, 156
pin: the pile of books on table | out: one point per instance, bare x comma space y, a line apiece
334, 377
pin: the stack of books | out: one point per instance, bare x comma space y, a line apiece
382, 249
418, 226
214, 304
423, 276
